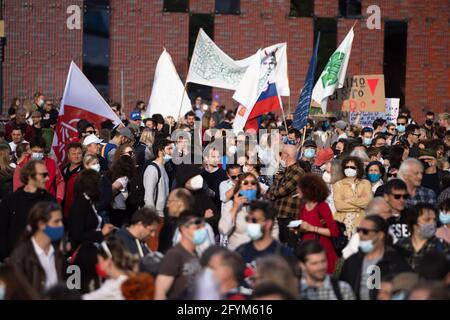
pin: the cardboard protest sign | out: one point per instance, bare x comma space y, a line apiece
363, 93
390, 115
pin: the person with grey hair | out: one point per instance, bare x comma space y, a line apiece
411, 172
361, 155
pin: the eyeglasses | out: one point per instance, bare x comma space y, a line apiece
365, 231
44, 174
246, 182
350, 167
405, 196
390, 175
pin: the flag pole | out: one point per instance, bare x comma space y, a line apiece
182, 98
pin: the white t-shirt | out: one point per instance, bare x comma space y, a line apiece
119, 199
110, 290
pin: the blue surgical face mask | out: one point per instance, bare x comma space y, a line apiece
167, 157
373, 177
253, 230
54, 233
366, 246
444, 217
37, 156
199, 236
291, 142
401, 128
310, 153
367, 141
250, 195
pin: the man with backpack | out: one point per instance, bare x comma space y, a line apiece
156, 182
316, 283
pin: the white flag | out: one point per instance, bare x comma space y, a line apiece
333, 75
80, 101
168, 92
211, 66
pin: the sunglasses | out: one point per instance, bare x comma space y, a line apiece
392, 129
365, 231
196, 221
416, 134
44, 174
350, 167
130, 153
398, 196
390, 175
246, 182
401, 124
235, 177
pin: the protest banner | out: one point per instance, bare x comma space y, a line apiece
392, 106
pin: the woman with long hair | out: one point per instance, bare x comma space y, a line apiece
123, 169
6, 172
115, 264
233, 223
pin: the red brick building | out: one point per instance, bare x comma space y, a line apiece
40, 47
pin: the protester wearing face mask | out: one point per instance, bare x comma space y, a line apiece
115, 264
422, 225
189, 176
39, 261
232, 223
255, 169
260, 222
92, 146
181, 265
352, 194
375, 174
367, 136
443, 232
309, 151
402, 122
55, 184
432, 175
374, 250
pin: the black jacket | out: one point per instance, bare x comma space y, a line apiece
130, 241
83, 223
390, 263
6, 183
14, 210
25, 259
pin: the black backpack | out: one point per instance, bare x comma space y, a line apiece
136, 187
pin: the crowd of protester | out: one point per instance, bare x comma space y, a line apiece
334, 211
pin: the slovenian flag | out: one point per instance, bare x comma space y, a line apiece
268, 101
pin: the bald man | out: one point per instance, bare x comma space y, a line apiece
283, 190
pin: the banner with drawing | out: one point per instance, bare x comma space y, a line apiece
390, 115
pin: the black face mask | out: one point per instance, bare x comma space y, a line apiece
425, 165
429, 122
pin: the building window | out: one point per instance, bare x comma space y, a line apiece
96, 33
228, 6
302, 8
350, 8
206, 22
328, 39
176, 5
394, 69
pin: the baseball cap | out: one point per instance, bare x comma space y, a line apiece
126, 132
92, 138
341, 124
135, 115
323, 156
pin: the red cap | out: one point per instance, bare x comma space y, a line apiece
323, 156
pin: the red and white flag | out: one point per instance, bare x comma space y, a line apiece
80, 101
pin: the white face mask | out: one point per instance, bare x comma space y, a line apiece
350, 173
196, 182
326, 177
96, 167
233, 149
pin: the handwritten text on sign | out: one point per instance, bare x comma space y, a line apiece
360, 93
